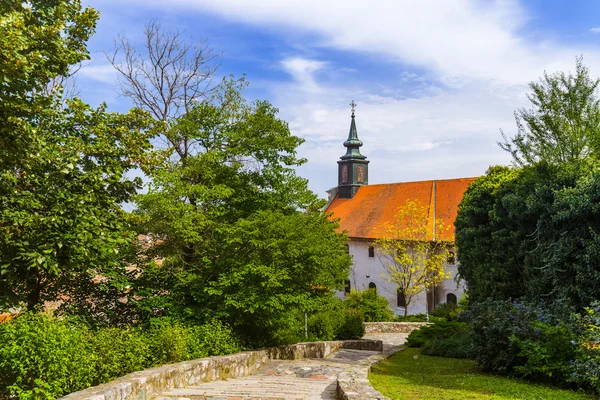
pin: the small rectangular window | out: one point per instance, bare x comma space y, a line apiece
347, 286
371, 252
401, 300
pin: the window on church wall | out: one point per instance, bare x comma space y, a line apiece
372, 285
347, 286
451, 257
401, 299
344, 173
360, 174
347, 249
451, 298
371, 252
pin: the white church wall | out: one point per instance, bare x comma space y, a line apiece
366, 270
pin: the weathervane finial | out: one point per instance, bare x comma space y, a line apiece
353, 106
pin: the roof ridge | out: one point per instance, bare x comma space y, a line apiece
422, 181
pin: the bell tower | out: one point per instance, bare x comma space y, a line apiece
353, 167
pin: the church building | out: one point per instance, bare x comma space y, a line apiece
364, 209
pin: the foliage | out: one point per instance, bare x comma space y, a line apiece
235, 244
531, 233
116, 352
564, 123
411, 375
437, 331
448, 311
457, 346
43, 356
373, 306
523, 338
407, 253
353, 325
62, 166
325, 324
586, 366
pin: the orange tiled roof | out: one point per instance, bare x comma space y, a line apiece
374, 206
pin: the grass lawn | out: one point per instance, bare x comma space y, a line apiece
410, 375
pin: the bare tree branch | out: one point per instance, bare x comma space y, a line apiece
166, 76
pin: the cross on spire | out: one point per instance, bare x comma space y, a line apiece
352, 107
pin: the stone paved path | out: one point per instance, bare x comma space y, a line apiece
308, 379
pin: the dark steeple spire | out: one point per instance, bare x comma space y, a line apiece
353, 166
352, 143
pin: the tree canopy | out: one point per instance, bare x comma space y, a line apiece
62, 167
242, 237
564, 121
531, 233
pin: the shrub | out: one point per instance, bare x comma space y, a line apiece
443, 339
447, 311
438, 331
118, 352
212, 339
548, 353
352, 326
42, 356
374, 307
457, 346
522, 338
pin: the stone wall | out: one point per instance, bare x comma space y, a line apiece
146, 384
393, 327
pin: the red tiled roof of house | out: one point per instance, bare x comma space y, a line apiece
374, 206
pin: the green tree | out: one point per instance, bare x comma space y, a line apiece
531, 233
62, 165
564, 123
242, 237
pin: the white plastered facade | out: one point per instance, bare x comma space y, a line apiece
366, 270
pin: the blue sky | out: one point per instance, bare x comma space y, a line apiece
435, 80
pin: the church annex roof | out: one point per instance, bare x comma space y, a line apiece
374, 206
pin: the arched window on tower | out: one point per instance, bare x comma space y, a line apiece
372, 285
451, 298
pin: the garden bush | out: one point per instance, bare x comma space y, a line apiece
439, 332
374, 308
457, 346
43, 357
325, 325
118, 352
523, 338
353, 326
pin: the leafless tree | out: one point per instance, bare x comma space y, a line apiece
166, 76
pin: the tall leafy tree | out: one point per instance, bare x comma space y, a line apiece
531, 233
62, 165
241, 235
563, 123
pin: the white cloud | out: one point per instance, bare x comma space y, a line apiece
450, 38
303, 71
437, 124
99, 71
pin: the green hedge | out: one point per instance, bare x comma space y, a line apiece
443, 339
45, 357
